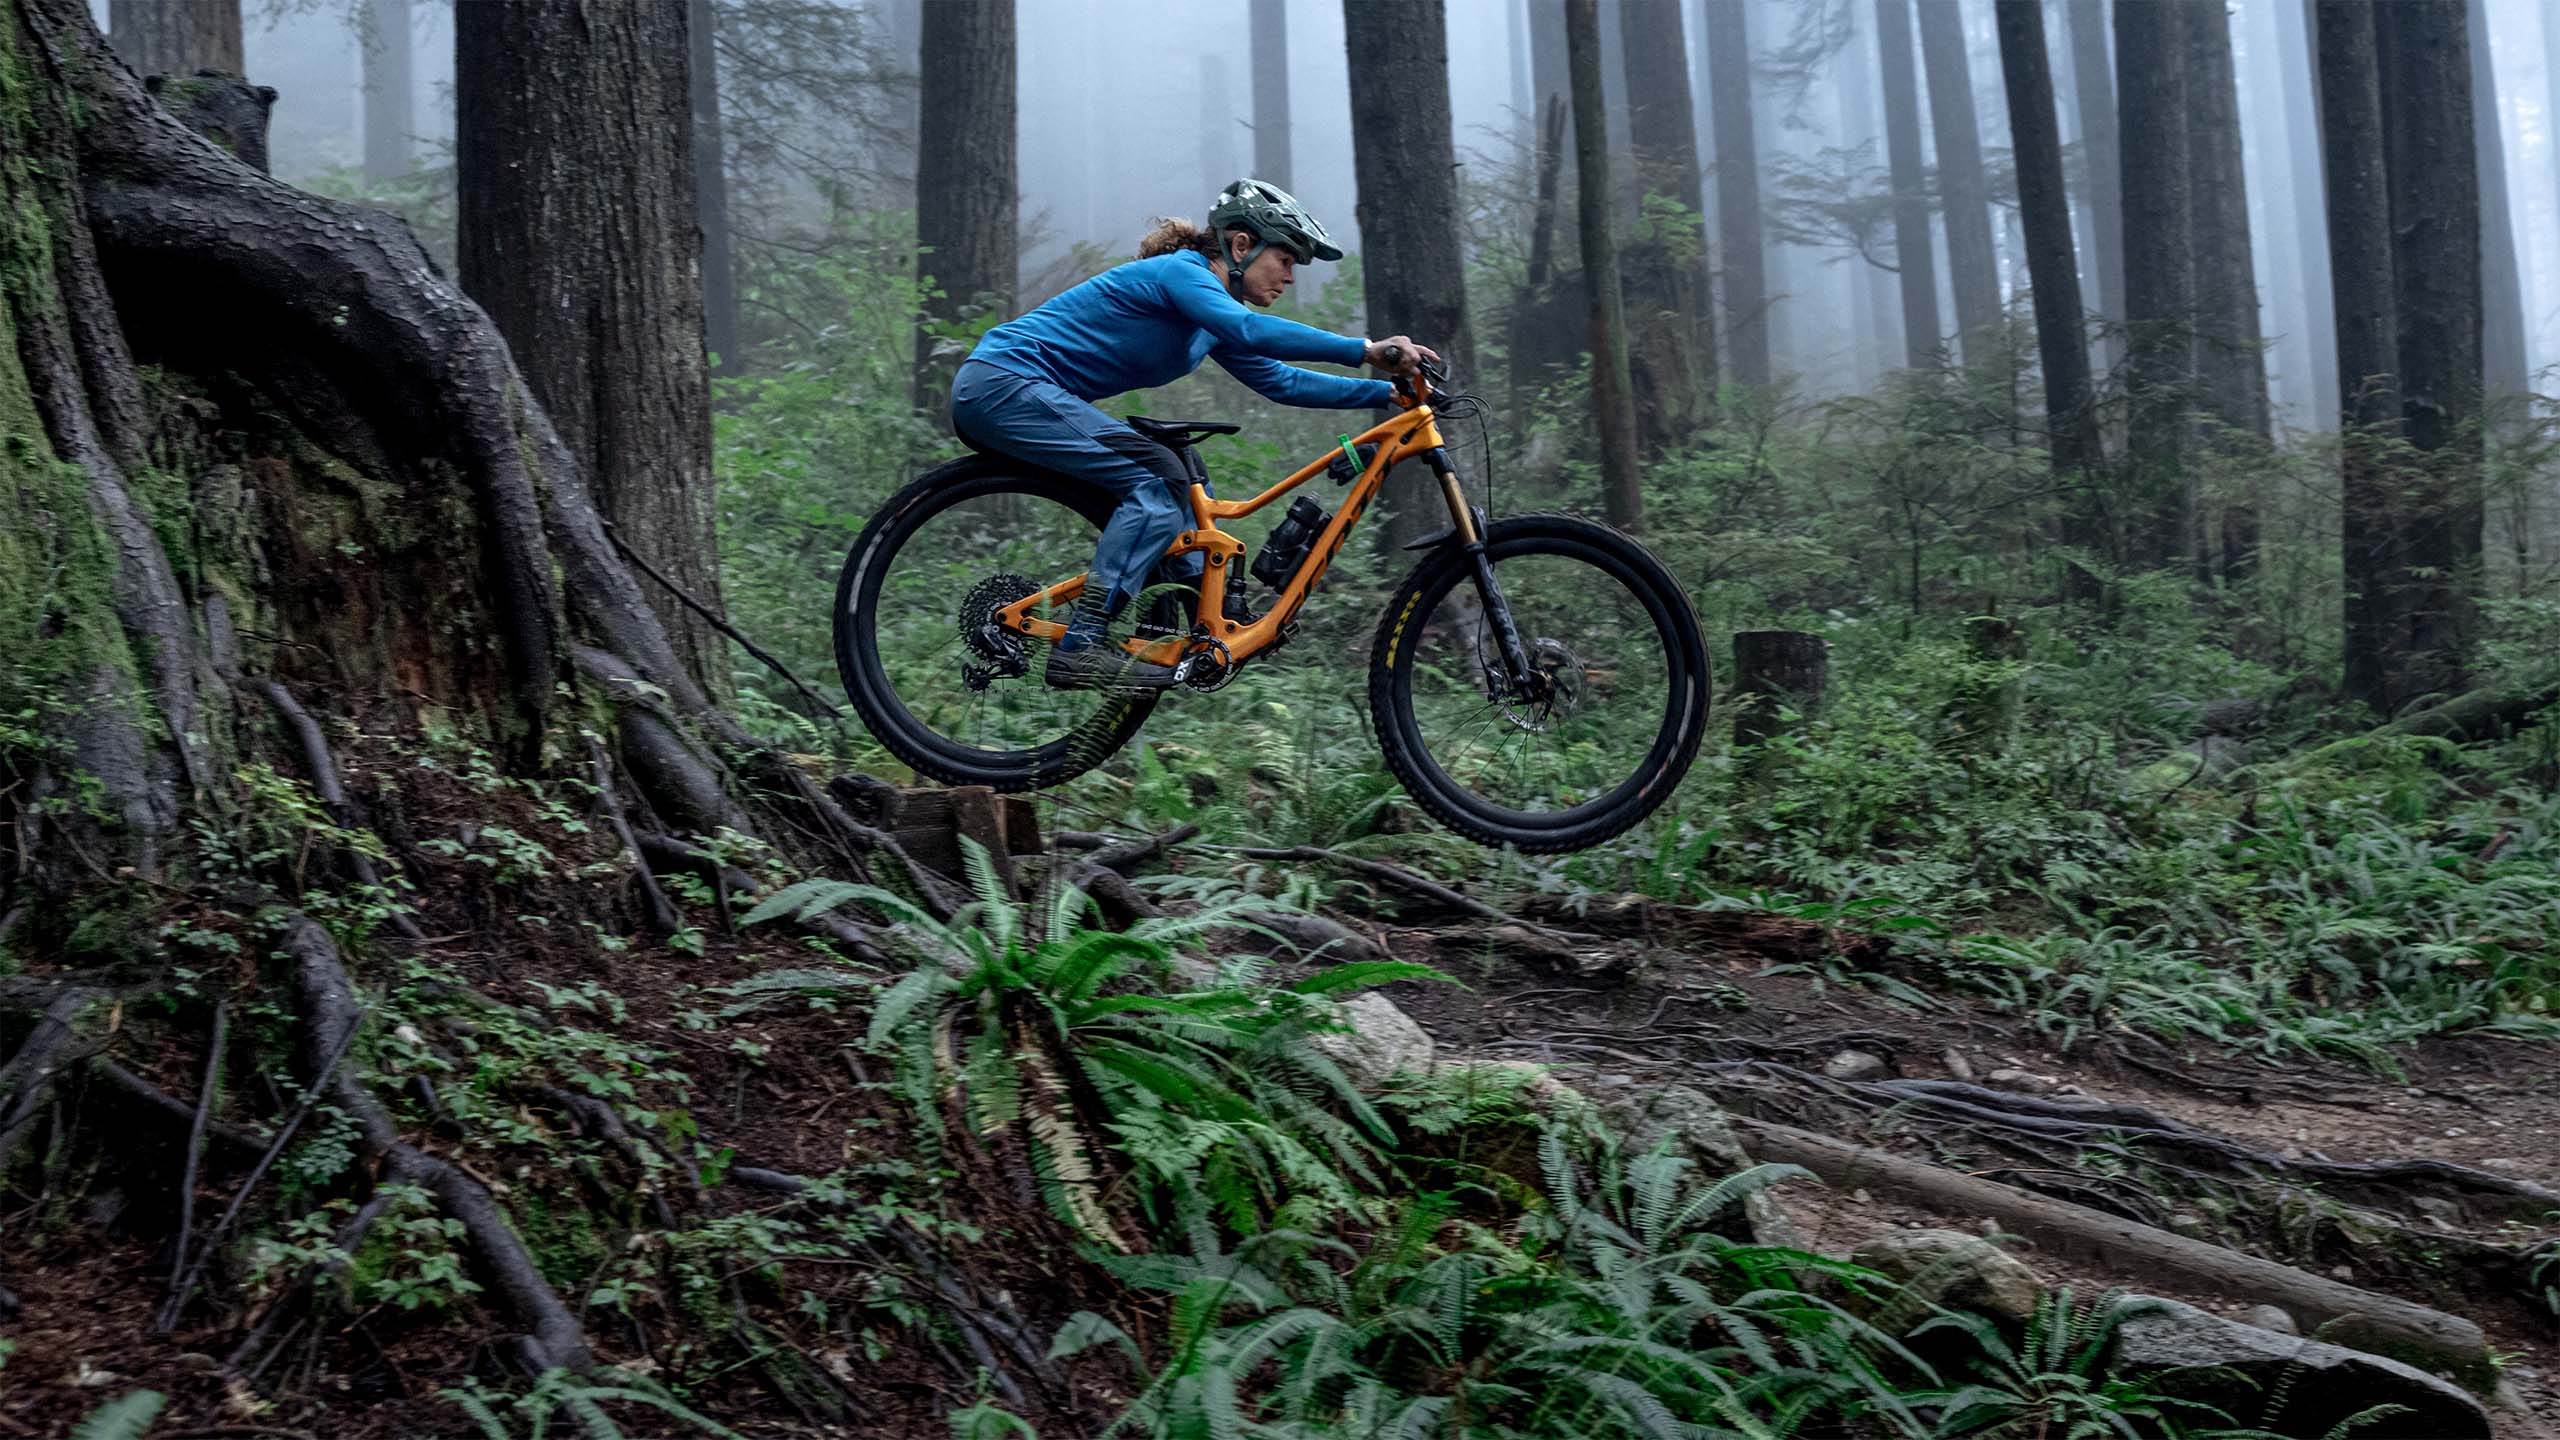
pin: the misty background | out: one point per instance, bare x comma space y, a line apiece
1136, 108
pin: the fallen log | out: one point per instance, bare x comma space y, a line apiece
2335, 1311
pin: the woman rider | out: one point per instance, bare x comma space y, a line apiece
1027, 390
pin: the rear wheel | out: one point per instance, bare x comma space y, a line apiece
956, 704
1621, 686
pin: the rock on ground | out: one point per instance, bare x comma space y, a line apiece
2311, 1385
1690, 1124
1961, 1271
1381, 1040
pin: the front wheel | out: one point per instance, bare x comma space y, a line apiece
1616, 706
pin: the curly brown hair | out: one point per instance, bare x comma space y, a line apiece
1172, 234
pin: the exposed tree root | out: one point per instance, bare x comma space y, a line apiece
330, 1020
662, 915
242, 1142
29, 1075
332, 790
2338, 1311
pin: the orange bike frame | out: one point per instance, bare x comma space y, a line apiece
1408, 436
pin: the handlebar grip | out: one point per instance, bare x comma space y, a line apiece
1391, 358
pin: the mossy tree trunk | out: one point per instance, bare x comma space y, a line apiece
261, 452
177, 37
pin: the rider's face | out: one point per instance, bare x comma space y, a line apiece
1272, 271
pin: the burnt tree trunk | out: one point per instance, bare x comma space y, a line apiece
1404, 157
1613, 408
574, 171
2160, 512
2044, 205
2231, 369
2093, 87
1739, 231
177, 37
967, 200
711, 188
388, 118
2360, 268
1671, 314
1271, 91
1973, 265
2425, 66
1915, 253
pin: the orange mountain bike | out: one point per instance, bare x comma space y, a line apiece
1538, 680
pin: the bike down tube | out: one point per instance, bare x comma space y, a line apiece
1402, 437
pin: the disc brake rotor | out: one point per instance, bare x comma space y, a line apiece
1555, 674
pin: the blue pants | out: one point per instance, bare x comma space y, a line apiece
1040, 424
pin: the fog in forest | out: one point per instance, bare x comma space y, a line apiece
1131, 109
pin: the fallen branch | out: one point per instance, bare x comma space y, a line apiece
1123, 855
1395, 876
29, 1073
246, 1142
195, 1141
2337, 1312
662, 914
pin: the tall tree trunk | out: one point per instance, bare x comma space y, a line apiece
1853, 78
1613, 407
1673, 339
2231, 369
176, 37
1972, 263
1915, 253
2297, 61
2161, 512
1271, 91
1746, 299
2231, 372
2360, 268
2435, 218
1551, 70
574, 172
388, 118
2044, 206
1613, 72
967, 201
1404, 159
2094, 88
2502, 312
2508, 538
711, 188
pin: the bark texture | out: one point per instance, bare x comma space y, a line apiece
1271, 91
1404, 157
1613, 408
1915, 252
968, 201
2425, 56
574, 166
1739, 233
177, 37
711, 187
2094, 93
388, 88
2231, 372
2044, 206
1964, 195
1672, 338
2360, 267
2158, 511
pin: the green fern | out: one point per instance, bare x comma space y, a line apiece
127, 1417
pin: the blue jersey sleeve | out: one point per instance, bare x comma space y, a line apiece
1195, 294
1289, 385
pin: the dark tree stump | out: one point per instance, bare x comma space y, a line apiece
1984, 711
1774, 671
931, 823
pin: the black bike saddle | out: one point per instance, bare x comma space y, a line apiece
1179, 434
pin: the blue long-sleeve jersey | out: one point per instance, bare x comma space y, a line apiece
1151, 322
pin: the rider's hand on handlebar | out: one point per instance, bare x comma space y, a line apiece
1400, 354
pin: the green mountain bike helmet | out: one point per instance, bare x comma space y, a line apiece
1272, 216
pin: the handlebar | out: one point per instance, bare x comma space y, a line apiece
1435, 375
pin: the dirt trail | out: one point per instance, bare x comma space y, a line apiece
1648, 995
